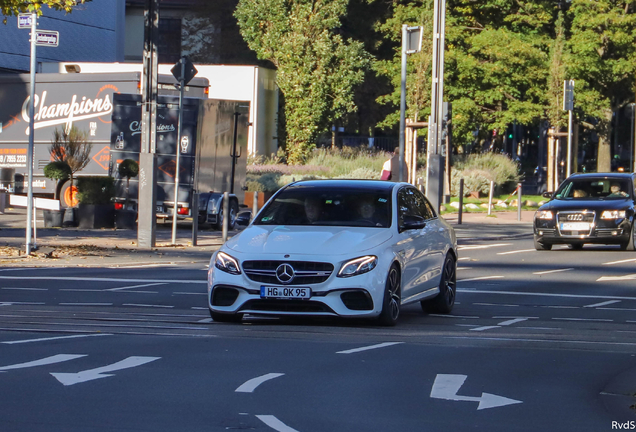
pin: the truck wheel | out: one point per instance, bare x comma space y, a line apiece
68, 197
233, 213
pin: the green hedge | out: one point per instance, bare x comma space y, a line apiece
95, 190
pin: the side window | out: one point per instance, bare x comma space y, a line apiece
412, 204
426, 209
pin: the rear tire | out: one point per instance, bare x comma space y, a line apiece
445, 300
229, 318
233, 213
540, 246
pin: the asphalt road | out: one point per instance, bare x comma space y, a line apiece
539, 341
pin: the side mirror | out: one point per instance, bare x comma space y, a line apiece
412, 222
547, 195
244, 218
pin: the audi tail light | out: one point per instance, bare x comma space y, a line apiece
183, 210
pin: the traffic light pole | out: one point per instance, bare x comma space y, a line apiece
30, 209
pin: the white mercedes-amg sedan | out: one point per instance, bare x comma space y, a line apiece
344, 248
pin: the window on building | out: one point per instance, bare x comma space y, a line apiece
169, 43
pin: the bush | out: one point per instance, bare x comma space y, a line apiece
95, 190
57, 171
480, 169
128, 168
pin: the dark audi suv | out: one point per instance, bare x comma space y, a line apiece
588, 208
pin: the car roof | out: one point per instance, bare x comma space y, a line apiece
609, 175
363, 185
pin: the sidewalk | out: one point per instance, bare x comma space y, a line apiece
111, 247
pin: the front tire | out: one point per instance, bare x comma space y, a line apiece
630, 245
391, 301
540, 246
445, 300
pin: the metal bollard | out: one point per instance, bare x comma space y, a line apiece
226, 214
461, 201
492, 189
255, 205
195, 218
519, 203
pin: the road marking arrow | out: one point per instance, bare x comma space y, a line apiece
447, 386
45, 361
250, 386
92, 374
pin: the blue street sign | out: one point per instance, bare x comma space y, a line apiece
47, 38
24, 21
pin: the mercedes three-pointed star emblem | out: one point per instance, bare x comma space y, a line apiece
285, 273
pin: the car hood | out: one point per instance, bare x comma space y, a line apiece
579, 204
286, 239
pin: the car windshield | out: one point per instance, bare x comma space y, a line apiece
593, 189
328, 206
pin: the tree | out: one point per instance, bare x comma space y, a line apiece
72, 147
128, 168
603, 63
14, 7
317, 69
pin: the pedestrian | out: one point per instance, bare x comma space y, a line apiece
391, 168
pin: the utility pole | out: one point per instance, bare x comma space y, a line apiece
411, 43
30, 210
435, 165
147, 200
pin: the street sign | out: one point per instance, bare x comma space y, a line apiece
47, 38
24, 21
413, 40
568, 95
189, 71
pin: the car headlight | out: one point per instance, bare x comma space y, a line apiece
544, 214
358, 266
226, 263
613, 214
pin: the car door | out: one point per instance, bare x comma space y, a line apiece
413, 247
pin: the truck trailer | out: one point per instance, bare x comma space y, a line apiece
62, 101
212, 155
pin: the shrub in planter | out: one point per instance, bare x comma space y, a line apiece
59, 171
96, 209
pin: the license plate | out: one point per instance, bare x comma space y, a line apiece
159, 209
285, 292
575, 226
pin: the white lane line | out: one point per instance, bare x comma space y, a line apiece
199, 308
543, 294
275, 424
25, 289
516, 251
618, 309
560, 307
137, 286
147, 305
616, 278
382, 345
135, 266
85, 279
21, 303
250, 385
496, 304
453, 316
42, 362
464, 259
462, 248
553, 271
501, 339
205, 320
583, 319
54, 338
479, 278
189, 293
464, 268
605, 303
22, 269
86, 304
619, 262
503, 323
80, 290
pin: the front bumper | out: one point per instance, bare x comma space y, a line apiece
611, 231
357, 296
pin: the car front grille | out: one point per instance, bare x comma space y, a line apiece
566, 217
305, 272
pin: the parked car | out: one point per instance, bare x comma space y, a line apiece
588, 208
346, 248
